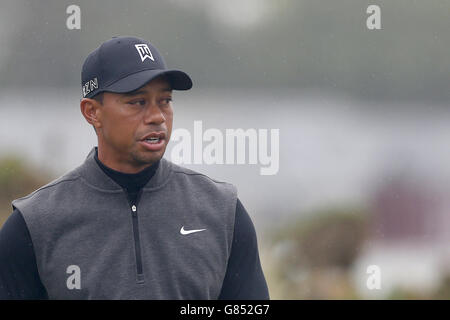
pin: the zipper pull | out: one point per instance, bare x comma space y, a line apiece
133, 211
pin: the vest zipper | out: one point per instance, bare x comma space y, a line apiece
137, 242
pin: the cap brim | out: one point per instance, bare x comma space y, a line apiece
179, 80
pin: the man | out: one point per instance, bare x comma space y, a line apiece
127, 223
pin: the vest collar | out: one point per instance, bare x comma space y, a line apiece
93, 175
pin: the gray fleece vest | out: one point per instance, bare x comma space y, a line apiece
90, 243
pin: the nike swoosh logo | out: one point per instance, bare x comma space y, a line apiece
185, 232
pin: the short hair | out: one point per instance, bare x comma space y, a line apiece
99, 98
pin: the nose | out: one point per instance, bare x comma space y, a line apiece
153, 114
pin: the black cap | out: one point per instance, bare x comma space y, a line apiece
124, 64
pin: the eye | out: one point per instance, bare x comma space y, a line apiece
139, 102
166, 100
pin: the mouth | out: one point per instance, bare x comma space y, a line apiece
153, 141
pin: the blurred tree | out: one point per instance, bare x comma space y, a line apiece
332, 239
400, 293
314, 254
17, 179
443, 292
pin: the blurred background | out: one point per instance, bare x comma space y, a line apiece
363, 115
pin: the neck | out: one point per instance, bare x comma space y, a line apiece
120, 165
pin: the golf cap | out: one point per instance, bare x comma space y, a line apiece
124, 64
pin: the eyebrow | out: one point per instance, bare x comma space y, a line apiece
136, 92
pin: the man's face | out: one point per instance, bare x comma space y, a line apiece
126, 119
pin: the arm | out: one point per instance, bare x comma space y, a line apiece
244, 278
19, 277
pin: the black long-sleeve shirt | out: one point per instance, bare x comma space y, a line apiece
19, 277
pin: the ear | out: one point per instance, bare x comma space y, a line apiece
91, 110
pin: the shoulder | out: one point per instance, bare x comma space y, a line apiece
200, 178
46, 191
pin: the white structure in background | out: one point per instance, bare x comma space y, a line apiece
410, 232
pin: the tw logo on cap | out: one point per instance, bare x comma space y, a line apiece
144, 51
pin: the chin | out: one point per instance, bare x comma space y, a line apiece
150, 157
